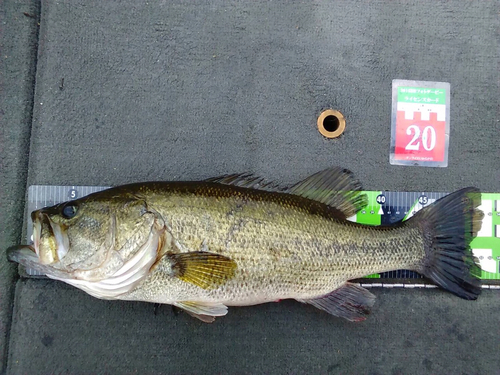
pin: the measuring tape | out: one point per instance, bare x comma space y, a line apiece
384, 207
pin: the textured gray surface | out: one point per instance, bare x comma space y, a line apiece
409, 332
187, 90
17, 58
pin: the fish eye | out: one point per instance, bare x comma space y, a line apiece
69, 210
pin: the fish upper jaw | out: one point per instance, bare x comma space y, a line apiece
50, 240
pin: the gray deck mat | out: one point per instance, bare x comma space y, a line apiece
129, 91
18, 43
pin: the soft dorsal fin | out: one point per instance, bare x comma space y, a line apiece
335, 187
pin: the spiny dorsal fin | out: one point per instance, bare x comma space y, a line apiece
246, 180
335, 187
203, 269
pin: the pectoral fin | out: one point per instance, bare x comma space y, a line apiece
203, 269
205, 311
350, 301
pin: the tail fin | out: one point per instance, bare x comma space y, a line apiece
448, 226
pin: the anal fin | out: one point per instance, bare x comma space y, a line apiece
205, 311
350, 301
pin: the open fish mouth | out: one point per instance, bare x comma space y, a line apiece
50, 245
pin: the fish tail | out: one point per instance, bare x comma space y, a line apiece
448, 226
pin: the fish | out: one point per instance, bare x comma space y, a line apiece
240, 240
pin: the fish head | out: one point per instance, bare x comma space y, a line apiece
91, 238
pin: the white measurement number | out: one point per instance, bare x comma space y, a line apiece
428, 138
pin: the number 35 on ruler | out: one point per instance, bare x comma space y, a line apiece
420, 139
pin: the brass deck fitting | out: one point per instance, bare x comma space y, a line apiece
331, 123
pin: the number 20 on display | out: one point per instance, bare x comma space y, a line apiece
428, 138
419, 140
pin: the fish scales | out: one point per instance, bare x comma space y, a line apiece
282, 250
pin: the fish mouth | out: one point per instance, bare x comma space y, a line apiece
50, 241
50, 245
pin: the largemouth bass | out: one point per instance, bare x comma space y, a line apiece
236, 240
